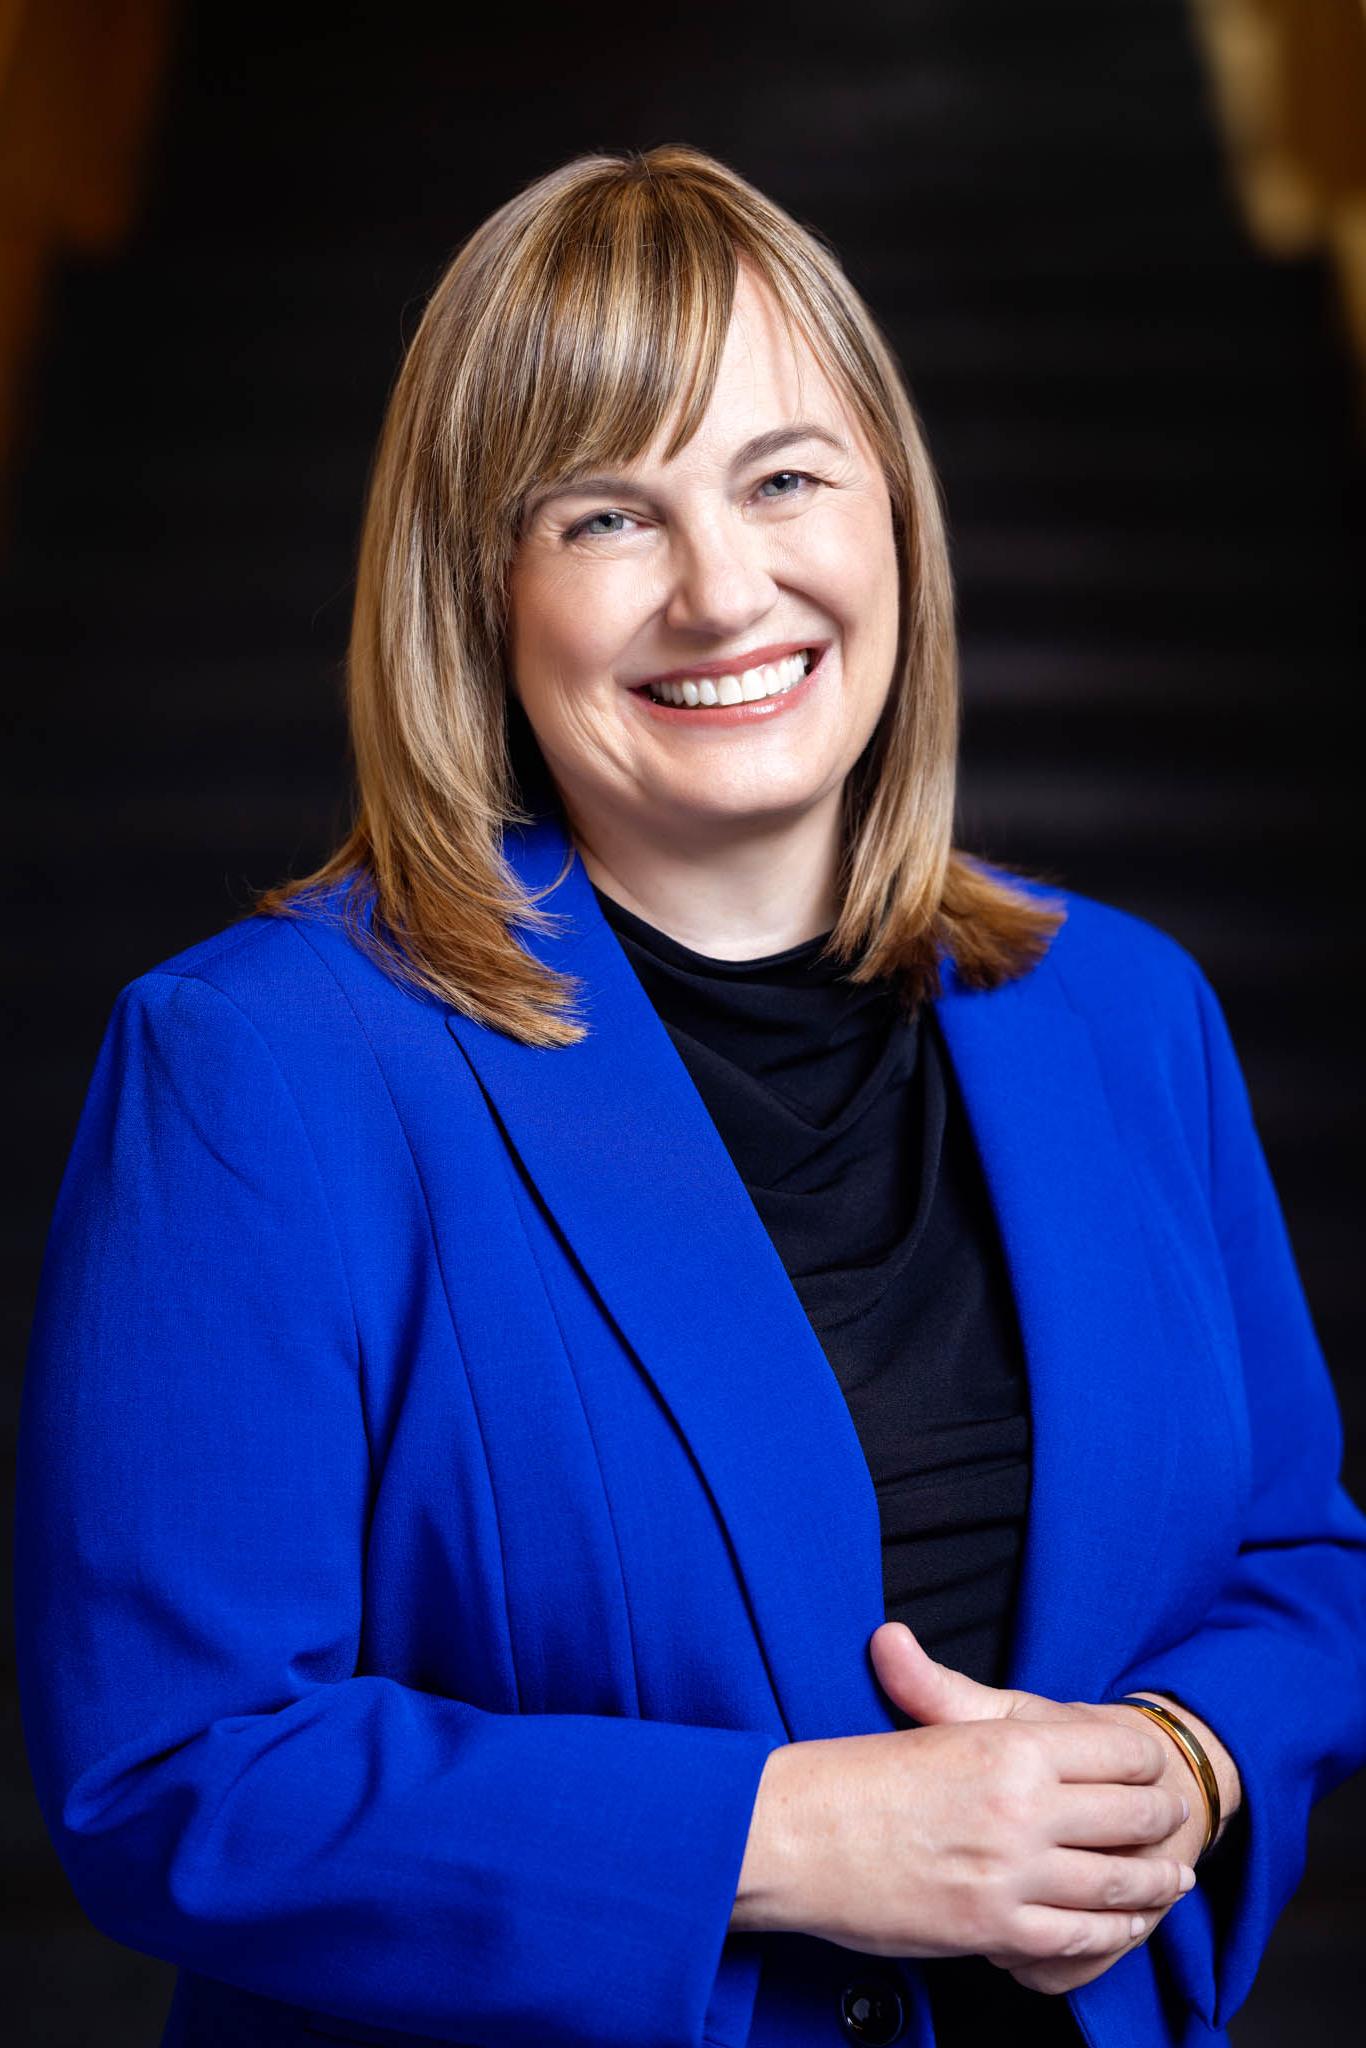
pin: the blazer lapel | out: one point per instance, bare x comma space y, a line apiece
622, 1150
1104, 1379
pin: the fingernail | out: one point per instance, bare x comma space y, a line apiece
1185, 1807
1187, 1878
1138, 1925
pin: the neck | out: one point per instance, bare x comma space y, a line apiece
731, 890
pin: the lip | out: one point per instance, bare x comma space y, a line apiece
735, 664
710, 717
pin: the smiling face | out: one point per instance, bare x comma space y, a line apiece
764, 548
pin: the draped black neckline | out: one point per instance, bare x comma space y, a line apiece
795, 1063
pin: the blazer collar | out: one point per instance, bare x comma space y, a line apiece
621, 1148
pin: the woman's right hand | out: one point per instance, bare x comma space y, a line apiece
1002, 1837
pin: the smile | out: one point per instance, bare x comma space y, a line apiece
765, 684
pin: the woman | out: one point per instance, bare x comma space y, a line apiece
662, 1409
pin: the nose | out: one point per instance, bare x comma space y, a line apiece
721, 583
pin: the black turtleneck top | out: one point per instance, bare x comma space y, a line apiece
843, 1117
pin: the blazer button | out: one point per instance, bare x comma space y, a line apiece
871, 2011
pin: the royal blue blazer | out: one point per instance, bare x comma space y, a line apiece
434, 1504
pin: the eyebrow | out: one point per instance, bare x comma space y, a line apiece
757, 450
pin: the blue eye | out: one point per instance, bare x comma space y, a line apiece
788, 476
585, 525
608, 524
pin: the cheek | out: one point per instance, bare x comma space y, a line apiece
847, 564
569, 624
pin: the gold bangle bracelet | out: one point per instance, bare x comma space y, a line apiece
1193, 1750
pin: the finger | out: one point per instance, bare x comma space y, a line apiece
1036, 1706
1080, 1878
1060, 1977
1045, 1932
1111, 1816
1103, 1751
926, 1688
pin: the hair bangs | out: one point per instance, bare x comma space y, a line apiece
630, 317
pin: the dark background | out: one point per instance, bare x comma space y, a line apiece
1149, 442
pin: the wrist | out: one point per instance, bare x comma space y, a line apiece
1225, 1770
765, 1894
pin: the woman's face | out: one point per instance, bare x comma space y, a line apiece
764, 546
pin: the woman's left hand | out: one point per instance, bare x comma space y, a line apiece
931, 1692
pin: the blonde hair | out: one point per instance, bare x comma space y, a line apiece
568, 329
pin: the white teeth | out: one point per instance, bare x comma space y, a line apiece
772, 680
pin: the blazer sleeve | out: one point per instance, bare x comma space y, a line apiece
224, 1788
1278, 1667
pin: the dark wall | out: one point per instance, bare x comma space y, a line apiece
1156, 503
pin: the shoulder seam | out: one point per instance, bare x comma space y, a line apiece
226, 940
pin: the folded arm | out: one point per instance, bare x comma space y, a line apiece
224, 1789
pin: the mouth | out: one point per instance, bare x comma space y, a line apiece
714, 689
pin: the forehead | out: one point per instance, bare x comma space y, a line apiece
769, 376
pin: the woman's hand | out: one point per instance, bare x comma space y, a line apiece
991, 1836
1188, 1839
935, 1694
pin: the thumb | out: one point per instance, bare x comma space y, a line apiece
925, 1689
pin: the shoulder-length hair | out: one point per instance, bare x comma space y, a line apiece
568, 329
